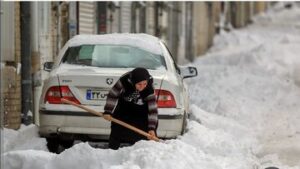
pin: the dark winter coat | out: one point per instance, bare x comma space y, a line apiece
139, 109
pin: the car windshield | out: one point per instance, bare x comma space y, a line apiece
113, 56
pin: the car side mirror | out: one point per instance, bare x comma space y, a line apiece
48, 66
188, 71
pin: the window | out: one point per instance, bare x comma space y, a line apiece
113, 56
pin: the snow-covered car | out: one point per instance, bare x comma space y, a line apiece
85, 70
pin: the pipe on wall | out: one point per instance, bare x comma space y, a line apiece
26, 85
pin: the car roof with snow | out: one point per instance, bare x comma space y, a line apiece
144, 41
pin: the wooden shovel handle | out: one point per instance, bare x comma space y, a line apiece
112, 119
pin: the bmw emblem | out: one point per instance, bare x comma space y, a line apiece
109, 81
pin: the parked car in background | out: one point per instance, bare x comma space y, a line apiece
85, 70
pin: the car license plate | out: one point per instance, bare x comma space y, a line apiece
96, 94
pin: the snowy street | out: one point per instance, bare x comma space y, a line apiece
252, 76
244, 107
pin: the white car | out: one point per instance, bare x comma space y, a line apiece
85, 70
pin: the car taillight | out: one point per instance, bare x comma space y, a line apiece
165, 99
56, 93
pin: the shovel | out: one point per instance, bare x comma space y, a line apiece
139, 131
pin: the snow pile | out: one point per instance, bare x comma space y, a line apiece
23, 139
244, 111
142, 155
251, 76
29, 159
199, 148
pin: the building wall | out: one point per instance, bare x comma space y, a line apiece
72, 18
237, 15
7, 26
113, 18
248, 12
64, 20
181, 34
59, 30
138, 16
200, 27
242, 12
227, 14
172, 28
42, 52
150, 23
125, 16
214, 11
260, 6
54, 28
12, 79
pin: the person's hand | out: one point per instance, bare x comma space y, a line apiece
152, 135
107, 117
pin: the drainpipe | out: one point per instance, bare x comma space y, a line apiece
1, 81
73, 19
58, 43
26, 63
189, 45
1, 95
120, 17
35, 25
156, 15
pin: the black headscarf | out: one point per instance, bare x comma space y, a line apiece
139, 74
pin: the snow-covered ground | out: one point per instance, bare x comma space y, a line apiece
245, 111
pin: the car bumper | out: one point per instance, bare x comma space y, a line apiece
83, 123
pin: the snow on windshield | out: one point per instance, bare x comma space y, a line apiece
143, 41
112, 56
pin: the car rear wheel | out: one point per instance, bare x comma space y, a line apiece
57, 145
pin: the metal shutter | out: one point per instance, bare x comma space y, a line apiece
87, 22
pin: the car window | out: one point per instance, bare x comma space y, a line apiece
113, 56
174, 62
168, 54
